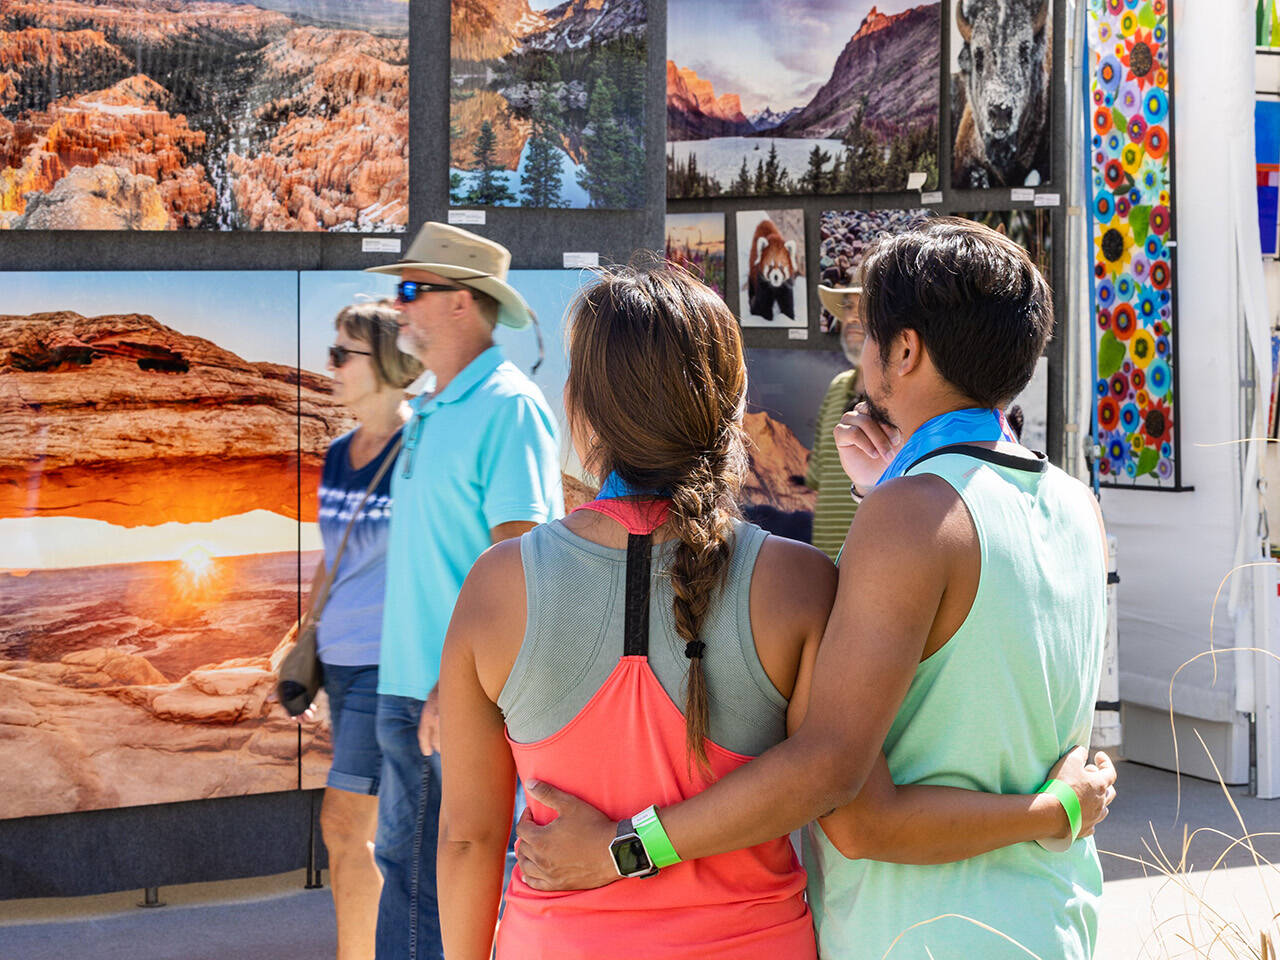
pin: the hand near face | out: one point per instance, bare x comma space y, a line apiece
866, 447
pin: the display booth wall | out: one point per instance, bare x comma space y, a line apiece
266, 302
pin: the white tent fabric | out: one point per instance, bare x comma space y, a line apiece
1177, 547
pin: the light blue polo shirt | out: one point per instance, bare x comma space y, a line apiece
482, 452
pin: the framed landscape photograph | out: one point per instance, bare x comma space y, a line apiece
839, 97
149, 523
547, 103
695, 241
274, 115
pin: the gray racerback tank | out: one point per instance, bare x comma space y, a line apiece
575, 590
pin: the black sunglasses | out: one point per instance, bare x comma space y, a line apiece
338, 354
409, 290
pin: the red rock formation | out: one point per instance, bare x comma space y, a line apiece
121, 697
776, 457
154, 23
123, 132
689, 92
340, 156
97, 198
876, 21
81, 59
489, 29
120, 418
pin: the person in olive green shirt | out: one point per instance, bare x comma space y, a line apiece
835, 508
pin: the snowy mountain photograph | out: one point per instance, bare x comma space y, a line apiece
837, 97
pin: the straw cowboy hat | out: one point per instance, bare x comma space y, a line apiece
471, 261
835, 299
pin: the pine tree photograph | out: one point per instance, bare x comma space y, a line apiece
547, 103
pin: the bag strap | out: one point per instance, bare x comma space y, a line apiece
322, 595
635, 641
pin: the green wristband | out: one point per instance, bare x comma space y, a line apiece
1070, 803
656, 844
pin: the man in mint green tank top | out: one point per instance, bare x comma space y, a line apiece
965, 643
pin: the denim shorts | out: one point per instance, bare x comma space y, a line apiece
353, 709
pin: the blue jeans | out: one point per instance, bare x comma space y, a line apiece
353, 710
405, 848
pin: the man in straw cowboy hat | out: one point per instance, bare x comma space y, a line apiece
834, 510
480, 464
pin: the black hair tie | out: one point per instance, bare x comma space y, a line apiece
694, 648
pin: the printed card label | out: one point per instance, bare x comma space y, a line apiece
928, 199
473, 218
575, 261
1048, 199
798, 333
379, 245
1022, 194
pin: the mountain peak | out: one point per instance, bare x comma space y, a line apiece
688, 92
875, 21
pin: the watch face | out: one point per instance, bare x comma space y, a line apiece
629, 854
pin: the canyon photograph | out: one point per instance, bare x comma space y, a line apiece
546, 103
271, 115
835, 97
159, 456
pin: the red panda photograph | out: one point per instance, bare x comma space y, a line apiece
771, 261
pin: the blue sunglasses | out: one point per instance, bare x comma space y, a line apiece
408, 291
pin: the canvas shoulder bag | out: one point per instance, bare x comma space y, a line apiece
300, 676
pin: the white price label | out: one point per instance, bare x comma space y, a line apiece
929, 199
1022, 194
1048, 199
576, 261
798, 333
473, 218
379, 245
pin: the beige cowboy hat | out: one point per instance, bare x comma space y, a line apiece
833, 298
471, 260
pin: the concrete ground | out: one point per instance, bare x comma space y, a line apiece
1145, 913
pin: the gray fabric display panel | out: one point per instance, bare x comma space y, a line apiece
85, 853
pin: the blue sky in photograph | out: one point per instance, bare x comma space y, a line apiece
252, 313
793, 44
322, 293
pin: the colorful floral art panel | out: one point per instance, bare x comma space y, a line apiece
1132, 221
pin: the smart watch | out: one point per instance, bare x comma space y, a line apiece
630, 858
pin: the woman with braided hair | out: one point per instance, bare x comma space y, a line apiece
656, 645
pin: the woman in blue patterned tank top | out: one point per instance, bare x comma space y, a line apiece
369, 375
